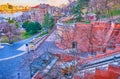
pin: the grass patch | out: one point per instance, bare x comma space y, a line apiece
25, 35
86, 22
4, 39
115, 12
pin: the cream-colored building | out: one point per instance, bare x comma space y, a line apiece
8, 8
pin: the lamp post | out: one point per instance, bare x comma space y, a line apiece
0, 38
0, 42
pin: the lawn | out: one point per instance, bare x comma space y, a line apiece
87, 22
25, 35
115, 12
111, 13
4, 39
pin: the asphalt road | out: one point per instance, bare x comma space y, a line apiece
9, 69
11, 50
10, 65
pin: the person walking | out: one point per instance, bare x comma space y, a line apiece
27, 48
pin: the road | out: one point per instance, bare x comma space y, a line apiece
9, 69
12, 50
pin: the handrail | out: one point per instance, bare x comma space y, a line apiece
104, 55
96, 64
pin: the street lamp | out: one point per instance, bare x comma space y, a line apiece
0, 38
0, 42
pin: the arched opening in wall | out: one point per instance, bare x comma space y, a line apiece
74, 44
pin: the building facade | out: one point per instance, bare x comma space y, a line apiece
38, 12
94, 38
8, 8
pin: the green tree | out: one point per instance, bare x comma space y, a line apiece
48, 21
25, 24
32, 27
37, 25
51, 22
77, 9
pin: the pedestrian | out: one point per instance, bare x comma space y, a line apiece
27, 48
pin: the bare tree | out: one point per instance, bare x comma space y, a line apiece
10, 31
101, 6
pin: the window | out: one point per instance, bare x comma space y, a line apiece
74, 44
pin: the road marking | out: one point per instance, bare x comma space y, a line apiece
2, 59
1, 47
22, 48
